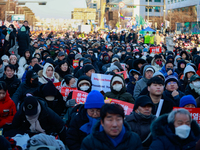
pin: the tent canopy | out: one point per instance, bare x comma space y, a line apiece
148, 29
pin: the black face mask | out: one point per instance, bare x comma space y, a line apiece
106, 58
34, 82
169, 69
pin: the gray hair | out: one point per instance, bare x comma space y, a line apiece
172, 114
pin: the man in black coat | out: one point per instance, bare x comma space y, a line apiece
112, 132
10, 79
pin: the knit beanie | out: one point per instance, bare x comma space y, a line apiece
188, 99
49, 89
94, 100
88, 68
171, 78
117, 78
78, 56
86, 61
142, 101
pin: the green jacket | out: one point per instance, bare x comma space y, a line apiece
147, 39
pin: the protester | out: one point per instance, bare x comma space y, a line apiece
188, 101
193, 88
112, 132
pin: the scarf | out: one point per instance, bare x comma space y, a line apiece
118, 139
33, 120
87, 127
52, 79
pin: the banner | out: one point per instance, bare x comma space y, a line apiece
58, 85
123, 65
79, 96
195, 113
101, 82
65, 91
128, 107
155, 50
75, 63
123, 74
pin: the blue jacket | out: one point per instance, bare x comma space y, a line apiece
164, 72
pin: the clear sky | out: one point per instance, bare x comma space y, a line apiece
55, 8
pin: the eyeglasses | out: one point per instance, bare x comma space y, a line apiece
170, 83
91, 111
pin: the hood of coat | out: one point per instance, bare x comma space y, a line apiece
138, 61
179, 64
6, 98
145, 68
123, 90
187, 69
154, 63
56, 75
45, 69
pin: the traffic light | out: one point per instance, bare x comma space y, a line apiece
131, 6
110, 15
111, 5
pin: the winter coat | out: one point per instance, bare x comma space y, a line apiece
62, 73
49, 121
180, 70
165, 138
192, 90
21, 92
156, 66
99, 140
74, 135
121, 95
12, 84
23, 63
170, 44
7, 110
2, 70
42, 75
175, 99
142, 83
141, 126
164, 72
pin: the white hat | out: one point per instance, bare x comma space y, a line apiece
5, 57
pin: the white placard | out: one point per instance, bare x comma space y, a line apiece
159, 108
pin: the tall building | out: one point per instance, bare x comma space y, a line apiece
92, 3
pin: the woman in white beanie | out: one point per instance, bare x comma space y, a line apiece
5, 59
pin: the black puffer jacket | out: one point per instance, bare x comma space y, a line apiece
141, 126
74, 135
165, 138
100, 141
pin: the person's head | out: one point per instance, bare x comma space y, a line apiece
184, 55
49, 91
63, 66
27, 54
169, 65
25, 23
91, 52
30, 106
171, 83
143, 106
195, 80
188, 101
86, 62
9, 71
13, 59
188, 72
158, 60
34, 60
135, 74
181, 120
155, 86
89, 69
112, 119
93, 104
48, 70
114, 68
61, 55
5, 59
117, 83
84, 83
160, 75
149, 71
3, 90
110, 53
70, 80
32, 78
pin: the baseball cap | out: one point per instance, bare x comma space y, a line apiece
30, 106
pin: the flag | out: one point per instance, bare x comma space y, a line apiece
117, 24
121, 16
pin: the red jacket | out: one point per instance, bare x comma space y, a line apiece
198, 71
7, 110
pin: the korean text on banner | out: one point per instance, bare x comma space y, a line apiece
123, 74
75, 63
101, 82
128, 107
58, 85
155, 50
195, 113
79, 96
65, 91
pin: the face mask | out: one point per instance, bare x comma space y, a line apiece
182, 131
117, 87
137, 56
169, 69
144, 116
81, 64
50, 98
159, 63
106, 58
84, 88
5, 63
196, 84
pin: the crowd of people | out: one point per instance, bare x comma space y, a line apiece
157, 81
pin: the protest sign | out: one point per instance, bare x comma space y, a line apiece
128, 107
123, 74
58, 85
195, 113
79, 96
101, 82
75, 63
123, 65
155, 50
65, 91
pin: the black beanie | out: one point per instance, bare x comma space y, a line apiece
142, 101
157, 56
49, 89
88, 68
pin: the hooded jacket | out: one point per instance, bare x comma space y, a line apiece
165, 138
180, 70
138, 61
142, 83
156, 66
43, 77
176, 62
122, 94
192, 90
99, 140
164, 72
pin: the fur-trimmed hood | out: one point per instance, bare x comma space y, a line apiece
56, 75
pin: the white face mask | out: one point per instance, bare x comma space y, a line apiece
117, 87
5, 63
196, 84
81, 64
182, 131
84, 88
50, 98
137, 56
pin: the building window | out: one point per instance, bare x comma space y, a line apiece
157, 9
149, 0
157, 0
94, 5
150, 10
168, 1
